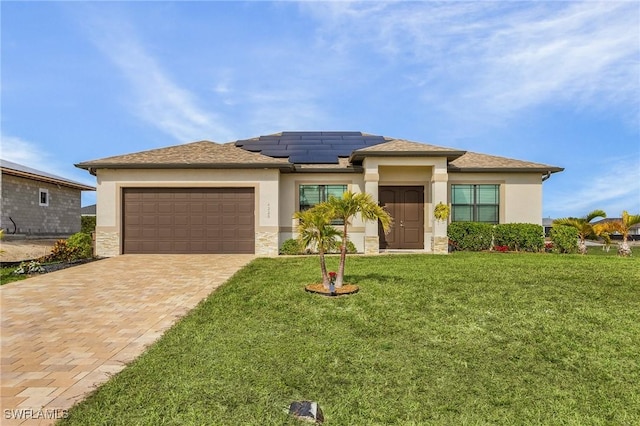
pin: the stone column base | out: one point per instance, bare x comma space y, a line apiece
440, 245
107, 244
267, 244
371, 245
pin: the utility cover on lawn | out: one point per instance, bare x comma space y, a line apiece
306, 410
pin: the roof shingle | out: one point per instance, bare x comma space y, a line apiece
191, 155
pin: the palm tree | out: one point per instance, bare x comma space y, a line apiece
622, 226
315, 230
584, 226
345, 208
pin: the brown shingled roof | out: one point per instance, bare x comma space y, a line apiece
192, 155
210, 154
402, 147
475, 162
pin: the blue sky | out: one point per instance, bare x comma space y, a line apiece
550, 82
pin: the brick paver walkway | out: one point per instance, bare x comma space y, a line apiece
67, 332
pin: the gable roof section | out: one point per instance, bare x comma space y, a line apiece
475, 162
404, 148
200, 154
15, 169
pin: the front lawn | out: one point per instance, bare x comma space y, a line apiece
469, 338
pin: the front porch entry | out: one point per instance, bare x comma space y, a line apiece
406, 206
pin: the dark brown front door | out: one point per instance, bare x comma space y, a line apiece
188, 220
406, 206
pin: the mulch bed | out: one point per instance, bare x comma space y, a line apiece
346, 289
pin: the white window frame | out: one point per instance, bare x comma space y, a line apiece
46, 192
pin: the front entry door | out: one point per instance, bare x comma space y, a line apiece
406, 206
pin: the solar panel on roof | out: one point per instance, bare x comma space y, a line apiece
313, 147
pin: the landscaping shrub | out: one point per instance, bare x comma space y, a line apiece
62, 252
291, 247
88, 224
564, 238
519, 236
83, 243
472, 236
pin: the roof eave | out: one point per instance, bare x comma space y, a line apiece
299, 168
93, 167
504, 169
361, 155
68, 184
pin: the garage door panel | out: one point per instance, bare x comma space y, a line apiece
245, 234
188, 220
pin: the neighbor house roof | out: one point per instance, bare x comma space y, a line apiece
309, 151
88, 210
15, 169
200, 154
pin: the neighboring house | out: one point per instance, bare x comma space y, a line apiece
547, 224
634, 231
88, 210
239, 197
33, 202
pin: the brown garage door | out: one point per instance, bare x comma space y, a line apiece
188, 220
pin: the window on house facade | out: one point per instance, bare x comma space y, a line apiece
475, 203
43, 196
310, 195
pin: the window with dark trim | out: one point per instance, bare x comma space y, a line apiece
310, 195
43, 197
475, 203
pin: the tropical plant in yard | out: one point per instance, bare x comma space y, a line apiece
623, 227
315, 231
347, 207
584, 226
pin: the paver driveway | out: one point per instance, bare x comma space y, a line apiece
66, 332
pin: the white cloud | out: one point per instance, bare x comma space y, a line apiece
498, 58
612, 185
29, 154
156, 98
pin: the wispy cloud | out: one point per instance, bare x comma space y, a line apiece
157, 98
611, 185
502, 57
30, 154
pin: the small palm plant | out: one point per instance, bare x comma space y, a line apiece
622, 226
584, 226
347, 207
315, 230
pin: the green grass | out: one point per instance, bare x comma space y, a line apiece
7, 276
470, 338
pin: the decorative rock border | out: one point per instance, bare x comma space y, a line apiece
345, 290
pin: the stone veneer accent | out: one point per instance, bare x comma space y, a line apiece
371, 245
107, 243
440, 245
267, 243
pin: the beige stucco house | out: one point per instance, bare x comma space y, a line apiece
239, 197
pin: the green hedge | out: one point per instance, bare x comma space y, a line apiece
292, 247
564, 238
87, 224
519, 236
477, 236
83, 243
471, 236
